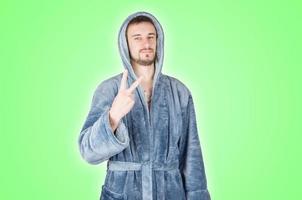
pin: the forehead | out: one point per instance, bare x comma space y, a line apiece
141, 28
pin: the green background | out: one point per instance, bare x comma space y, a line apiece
240, 59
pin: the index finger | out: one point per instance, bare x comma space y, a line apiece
135, 84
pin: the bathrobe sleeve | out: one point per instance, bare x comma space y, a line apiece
97, 142
191, 160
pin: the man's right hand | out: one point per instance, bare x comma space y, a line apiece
123, 102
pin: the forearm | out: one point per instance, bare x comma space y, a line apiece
98, 142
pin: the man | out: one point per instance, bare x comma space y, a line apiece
146, 126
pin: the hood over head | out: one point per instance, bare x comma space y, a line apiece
124, 49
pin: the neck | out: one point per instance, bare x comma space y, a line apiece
146, 71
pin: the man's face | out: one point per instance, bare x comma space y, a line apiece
142, 43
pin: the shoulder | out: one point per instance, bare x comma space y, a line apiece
175, 82
109, 85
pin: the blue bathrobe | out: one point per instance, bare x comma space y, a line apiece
154, 154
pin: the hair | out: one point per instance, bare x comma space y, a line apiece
139, 19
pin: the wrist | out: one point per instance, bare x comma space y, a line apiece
113, 121
114, 117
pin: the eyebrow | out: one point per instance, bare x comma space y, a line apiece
140, 34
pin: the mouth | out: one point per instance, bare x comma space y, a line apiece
147, 51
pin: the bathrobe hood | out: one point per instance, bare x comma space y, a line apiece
124, 50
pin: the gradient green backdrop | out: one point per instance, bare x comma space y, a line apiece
240, 59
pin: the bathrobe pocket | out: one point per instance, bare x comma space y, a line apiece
110, 195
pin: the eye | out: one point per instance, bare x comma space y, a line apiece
137, 38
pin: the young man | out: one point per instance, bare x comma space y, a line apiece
146, 126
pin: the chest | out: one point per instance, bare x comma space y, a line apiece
147, 88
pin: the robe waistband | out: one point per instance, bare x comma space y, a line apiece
146, 168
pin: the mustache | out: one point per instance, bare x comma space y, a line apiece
146, 49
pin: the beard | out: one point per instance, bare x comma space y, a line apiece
144, 62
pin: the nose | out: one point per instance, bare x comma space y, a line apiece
146, 43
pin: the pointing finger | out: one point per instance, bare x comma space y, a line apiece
135, 84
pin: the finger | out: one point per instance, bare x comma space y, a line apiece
124, 80
135, 84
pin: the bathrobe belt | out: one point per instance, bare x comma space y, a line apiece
146, 168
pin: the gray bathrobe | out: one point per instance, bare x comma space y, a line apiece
154, 153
